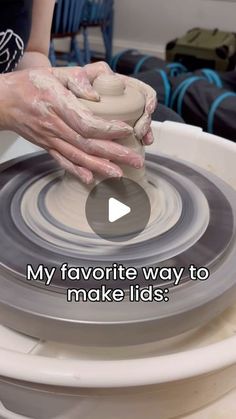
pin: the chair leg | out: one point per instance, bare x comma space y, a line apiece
52, 54
87, 52
107, 32
106, 41
76, 52
110, 35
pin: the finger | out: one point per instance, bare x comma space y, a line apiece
76, 115
96, 69
151, 103
101, 148
148, 92
82, 173
148, 139
110, 151
142, 126
92, 163
95, 127
76, 80
82, 88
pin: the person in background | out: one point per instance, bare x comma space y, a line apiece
40, 102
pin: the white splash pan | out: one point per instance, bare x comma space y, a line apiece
165, 380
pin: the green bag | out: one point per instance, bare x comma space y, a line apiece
200, 48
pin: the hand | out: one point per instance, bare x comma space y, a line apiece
142, 128
72, 78
41, 105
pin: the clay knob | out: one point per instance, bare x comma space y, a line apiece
109, 85
117, 100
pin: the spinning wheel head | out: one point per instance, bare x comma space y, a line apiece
192, 222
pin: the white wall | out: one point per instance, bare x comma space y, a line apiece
149, 24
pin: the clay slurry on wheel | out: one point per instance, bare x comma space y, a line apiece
118, 209
203, 233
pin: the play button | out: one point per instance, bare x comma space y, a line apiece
118, 209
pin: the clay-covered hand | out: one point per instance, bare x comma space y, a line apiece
72, 78
142, 128
41, 105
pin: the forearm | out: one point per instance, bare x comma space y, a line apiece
5, 100
36, 54
33, 59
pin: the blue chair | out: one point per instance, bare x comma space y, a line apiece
99, 13
67, 19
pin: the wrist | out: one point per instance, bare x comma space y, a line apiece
33, 59
5, 100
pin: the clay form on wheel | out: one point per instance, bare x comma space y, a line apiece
67, 198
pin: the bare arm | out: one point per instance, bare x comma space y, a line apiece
56, 120
36, 54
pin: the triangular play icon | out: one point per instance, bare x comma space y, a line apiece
117, 210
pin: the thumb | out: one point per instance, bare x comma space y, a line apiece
76, 80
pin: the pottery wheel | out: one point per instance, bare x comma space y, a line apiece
195, 225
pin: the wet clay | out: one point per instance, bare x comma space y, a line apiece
67, 198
